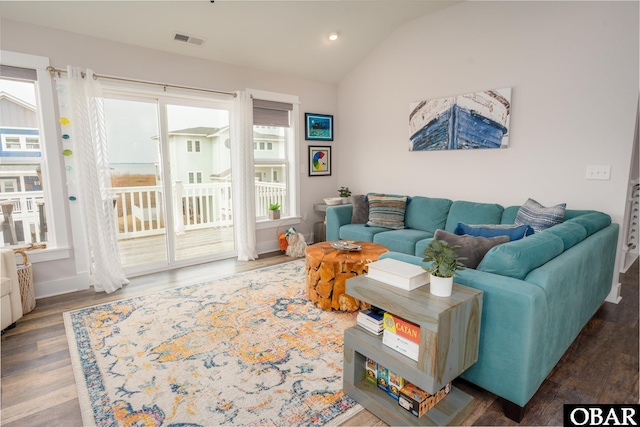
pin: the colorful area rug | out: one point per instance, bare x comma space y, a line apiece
243, 350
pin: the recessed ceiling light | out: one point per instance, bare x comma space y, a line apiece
333, 36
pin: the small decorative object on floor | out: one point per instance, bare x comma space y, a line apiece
444, 264
25, 279
296, 243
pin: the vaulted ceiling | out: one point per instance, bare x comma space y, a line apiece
286, 36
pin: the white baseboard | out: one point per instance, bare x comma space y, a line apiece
614, 294
79, 282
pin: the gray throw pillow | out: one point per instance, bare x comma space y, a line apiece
473, 248
360, 213
540, 217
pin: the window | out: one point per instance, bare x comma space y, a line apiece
20, 142
195, 177
30, 174
274, 133
197, 146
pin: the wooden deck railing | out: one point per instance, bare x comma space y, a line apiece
139, 210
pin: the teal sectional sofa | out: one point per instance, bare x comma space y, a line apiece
539, 291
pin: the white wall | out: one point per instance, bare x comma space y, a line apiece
108, 58
573, 70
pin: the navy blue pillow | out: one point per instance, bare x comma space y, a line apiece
515, 232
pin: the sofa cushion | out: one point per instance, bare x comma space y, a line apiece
540, 217
387, 211
421, 246
401, 240
472, 248
509, 215
514, 232
572, 213
473, 213
426, 213
360, 212
571, 233
516, 259
359, 232
593, 221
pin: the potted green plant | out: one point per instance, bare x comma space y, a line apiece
344, 192
444, 265
274, 210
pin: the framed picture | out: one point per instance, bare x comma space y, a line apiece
462, 122
319, 160
318, 127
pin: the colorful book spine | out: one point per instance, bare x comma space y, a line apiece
372, 370
402, 328
400, 344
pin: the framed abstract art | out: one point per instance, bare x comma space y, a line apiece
319, 160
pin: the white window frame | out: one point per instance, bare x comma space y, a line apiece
194, 176
22, 140
54, 187
291, 156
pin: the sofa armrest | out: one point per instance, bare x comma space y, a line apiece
337, 216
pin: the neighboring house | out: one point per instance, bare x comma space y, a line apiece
20, 159
201, 155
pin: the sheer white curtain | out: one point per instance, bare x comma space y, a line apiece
242, 185
92, 168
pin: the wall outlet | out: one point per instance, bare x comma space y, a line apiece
602, 172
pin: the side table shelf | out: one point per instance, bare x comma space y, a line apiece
449, 335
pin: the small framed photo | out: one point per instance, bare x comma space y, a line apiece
318, 127
319, 160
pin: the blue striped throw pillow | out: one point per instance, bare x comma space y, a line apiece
540, 217
387, 211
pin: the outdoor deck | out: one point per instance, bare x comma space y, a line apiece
191, 244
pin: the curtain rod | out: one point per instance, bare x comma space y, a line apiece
53, 70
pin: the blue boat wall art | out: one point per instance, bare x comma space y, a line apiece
474, 120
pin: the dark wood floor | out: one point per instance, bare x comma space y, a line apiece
38, 388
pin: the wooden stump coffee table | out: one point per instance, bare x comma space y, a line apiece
328, 270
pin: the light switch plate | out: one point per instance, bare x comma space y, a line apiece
600, 172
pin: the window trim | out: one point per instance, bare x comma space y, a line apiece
55, 187
22, 140
292, 157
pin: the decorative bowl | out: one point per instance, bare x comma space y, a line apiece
332, 201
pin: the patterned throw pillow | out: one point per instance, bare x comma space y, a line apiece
387, 211
538, 216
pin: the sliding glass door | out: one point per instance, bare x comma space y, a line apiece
170, 165
199, 151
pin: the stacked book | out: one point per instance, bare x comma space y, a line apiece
401, 335
371, 319
397, 273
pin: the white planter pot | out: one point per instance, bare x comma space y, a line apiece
345, 200
441, 286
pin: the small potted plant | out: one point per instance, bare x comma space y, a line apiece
344, 192
274, 210
444, 265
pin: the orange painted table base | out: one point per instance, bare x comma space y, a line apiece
328, 270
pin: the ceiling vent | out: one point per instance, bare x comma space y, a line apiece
185, 38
